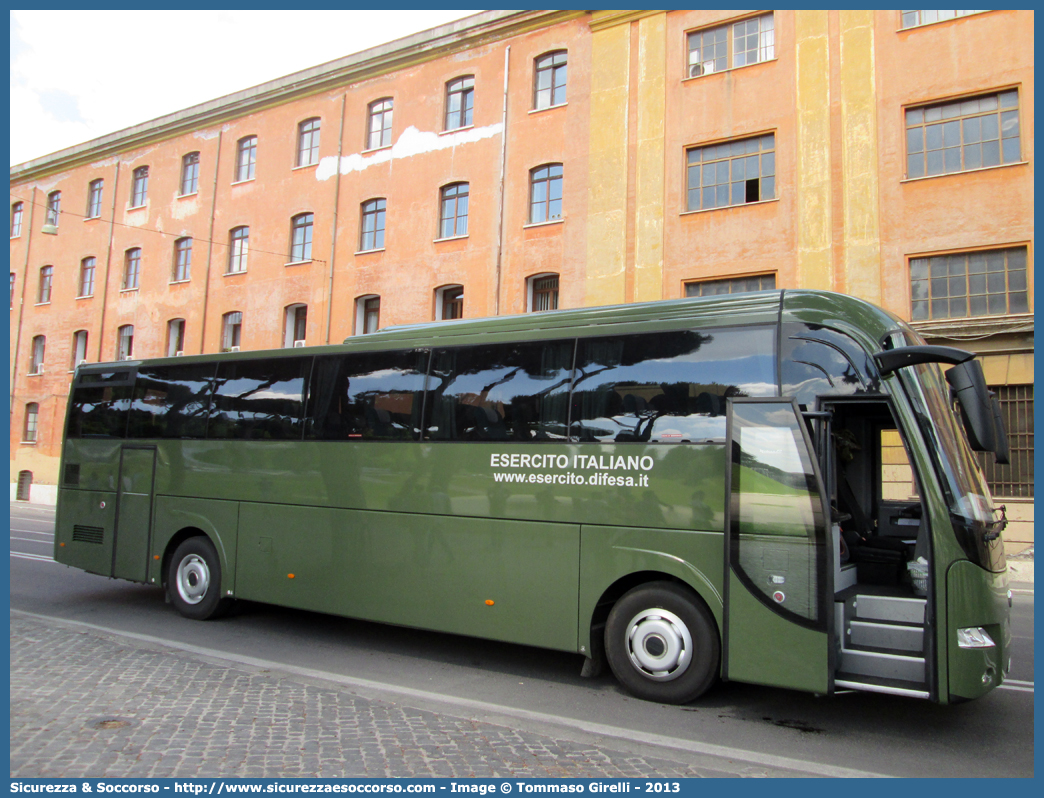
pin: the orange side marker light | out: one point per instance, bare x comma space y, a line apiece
289, 576
489, 602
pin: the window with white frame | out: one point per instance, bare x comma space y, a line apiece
301, 238
125, 342
911, 19
545, 193
94, 198
182, 260
460, 102
238, 249
748, 41
308, 142
16, 219
367, 314
87, 270
43, 295
449, 302
190, 174
246, 158
54, 208
175, 337
295, 325
36, 354
380, 130
79, 348
550, 73
32, 414
139, 186
542, 293
372, 227
453, 215
231, 331
131, 269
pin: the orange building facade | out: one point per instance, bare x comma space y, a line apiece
518, 161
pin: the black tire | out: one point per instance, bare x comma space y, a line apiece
662, 643
194, 580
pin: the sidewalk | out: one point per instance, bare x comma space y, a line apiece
89, 704
1020, 568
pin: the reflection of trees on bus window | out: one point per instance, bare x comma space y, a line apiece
818, 361
668, 387
259, 400
503, 392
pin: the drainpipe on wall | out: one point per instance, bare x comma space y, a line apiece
503, 166
333, 235
108, 261
21, 300
210, 246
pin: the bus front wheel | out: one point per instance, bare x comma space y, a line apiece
194, 580
662, 643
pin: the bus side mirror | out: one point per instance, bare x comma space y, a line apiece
1002, 451
973, 398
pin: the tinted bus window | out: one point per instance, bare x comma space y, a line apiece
503, 392
99, 404
259, 399
668, 387
818, 361
171, 401
367, 396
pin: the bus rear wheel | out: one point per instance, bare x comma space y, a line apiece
194, 580
662, 643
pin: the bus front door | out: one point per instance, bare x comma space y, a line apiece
130, 551
777, 611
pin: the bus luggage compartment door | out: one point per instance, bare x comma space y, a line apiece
133, 513
777, 630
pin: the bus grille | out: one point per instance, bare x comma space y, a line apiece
88, 534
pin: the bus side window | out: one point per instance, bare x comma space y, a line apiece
171, 401
98, 410
367, 396
668, 387
502, 392
259, 399
818, 361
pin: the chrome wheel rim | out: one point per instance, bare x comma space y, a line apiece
659, 645
193, 579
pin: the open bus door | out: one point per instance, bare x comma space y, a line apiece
778, 578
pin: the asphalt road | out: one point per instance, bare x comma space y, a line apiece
542, 691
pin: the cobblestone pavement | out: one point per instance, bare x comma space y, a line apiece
87, 704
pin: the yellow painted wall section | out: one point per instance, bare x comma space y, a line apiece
649, 176
862, 244
607, 174
813, 151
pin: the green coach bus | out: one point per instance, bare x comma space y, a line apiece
689, 490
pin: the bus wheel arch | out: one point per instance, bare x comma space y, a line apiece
662, 642
192, 576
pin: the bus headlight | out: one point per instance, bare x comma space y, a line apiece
974, 637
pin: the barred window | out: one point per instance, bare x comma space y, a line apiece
737, 44
984, 283
733, 285
731, 173
544, 290
1014, 480
956, 136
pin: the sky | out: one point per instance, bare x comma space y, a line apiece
77, 75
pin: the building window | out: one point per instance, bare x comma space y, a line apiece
737, 44
231, 331
449, 302
460, 102
79, 348
238, 248
731, 173
16, 219
131, 269
182, 260
46, 276
912, 19
94, 198
453, 219
87, 266
301, 238
545, 193
984, 283
140, 186
32, 412
372, 225
54, 207
308, 142
175, 337
1014, 480
125, 342
295, 325
963, 134
732, 285
380, 131
190, 174
13, 278
246, 157
367, 314
549, 80
543, 292
36, 354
